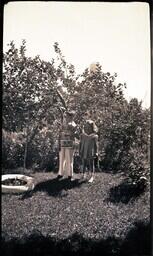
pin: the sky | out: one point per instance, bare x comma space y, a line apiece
115, 34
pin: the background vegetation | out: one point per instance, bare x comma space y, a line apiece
32, 112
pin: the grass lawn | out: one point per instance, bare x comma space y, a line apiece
76, 217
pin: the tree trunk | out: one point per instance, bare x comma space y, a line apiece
26, 145
25, 153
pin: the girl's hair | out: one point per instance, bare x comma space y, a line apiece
92, 124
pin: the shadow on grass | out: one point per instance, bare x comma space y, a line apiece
138, 240
136, 243
55, 187
124, 192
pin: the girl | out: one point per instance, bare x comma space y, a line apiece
88, 148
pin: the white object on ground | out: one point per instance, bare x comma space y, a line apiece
17, 189
91, 180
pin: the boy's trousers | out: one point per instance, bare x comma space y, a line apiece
66, 161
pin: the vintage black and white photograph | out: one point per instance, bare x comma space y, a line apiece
76, 83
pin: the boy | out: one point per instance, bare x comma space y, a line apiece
66, 145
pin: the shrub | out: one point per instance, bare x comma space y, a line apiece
128, 147
12, 150
42, 152
138, 170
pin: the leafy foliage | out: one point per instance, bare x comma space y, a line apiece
27, 88
128, 147
35, 95
12, 150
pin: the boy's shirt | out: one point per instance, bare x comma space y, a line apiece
67, 135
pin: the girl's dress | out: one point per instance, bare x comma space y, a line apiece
88, 145
88, 149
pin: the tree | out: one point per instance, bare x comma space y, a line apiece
30, 93
95, 96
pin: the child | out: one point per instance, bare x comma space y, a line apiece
88, 148
66, 146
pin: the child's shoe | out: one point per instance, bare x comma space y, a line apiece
70, 178
91, 180
59, 177
84, 176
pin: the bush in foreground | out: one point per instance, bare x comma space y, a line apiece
137, 242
